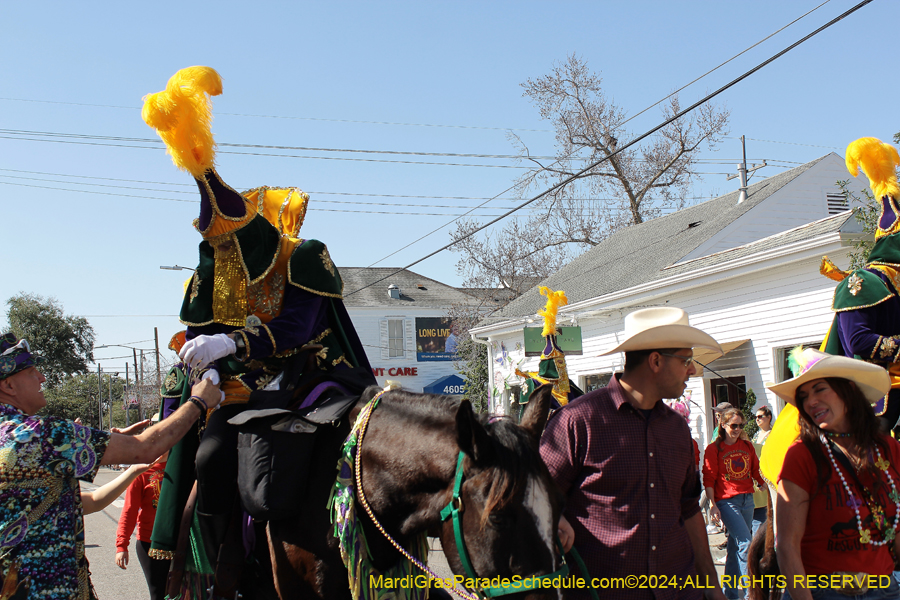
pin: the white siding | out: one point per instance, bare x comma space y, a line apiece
801, 201
371, 326
779, 304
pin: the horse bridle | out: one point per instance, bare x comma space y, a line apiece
452, 511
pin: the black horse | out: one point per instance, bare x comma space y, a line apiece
510, 507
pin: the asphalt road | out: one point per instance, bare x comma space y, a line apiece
111, 582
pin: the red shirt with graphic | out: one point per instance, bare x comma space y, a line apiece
141, 499
831, 540
730, 471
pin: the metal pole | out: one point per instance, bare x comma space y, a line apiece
127, 404
99, 399
156, 346
137, 385
142, 384
110, 396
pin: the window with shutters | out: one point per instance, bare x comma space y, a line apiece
396, 339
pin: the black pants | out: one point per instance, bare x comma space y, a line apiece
217, 462
156, 571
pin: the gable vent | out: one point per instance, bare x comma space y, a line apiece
837, 203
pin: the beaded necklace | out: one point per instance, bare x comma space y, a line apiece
832, 434
865, 536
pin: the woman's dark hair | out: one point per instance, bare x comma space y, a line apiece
727, 415
765, 410
864, 430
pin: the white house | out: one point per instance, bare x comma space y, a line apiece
746, 272
403, 325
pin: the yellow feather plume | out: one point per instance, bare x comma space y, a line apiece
877, 160
182, 116
831, 270
554, 301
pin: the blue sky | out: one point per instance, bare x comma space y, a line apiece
440, 77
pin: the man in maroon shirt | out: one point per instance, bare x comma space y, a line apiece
624, 460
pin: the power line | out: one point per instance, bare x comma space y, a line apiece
626, 146
294, 117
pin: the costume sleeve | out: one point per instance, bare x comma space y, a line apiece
560, 445
128, 518
710, 466
860, 328
302, 315
799, 468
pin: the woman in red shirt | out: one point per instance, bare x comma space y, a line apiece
141, 499
730, 466
838, 504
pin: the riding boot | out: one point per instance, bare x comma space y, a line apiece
213, 528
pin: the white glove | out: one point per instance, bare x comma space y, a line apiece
213, 376
204, 349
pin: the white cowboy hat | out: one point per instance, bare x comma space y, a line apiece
662, 327
872, 380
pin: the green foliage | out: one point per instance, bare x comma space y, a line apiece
77, 397
66, 341
867, 216
471, 363
749, 413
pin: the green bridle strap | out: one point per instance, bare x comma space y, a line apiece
583, 568
453, 510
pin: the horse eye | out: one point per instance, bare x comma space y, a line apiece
501, 520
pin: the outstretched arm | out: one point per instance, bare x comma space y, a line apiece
103, 496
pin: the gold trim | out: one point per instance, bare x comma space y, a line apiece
161, 554
189, 324
320, 337
318, 293
859, 307
271, 337
287, 200
895, 226
228, 187
243, 334
877, 345
339, 360
268, 270
213, 206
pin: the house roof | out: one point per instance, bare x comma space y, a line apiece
415, 290
640, 253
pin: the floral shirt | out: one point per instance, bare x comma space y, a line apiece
41, 521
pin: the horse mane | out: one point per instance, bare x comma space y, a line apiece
512, 451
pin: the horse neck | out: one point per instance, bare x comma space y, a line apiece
409, 461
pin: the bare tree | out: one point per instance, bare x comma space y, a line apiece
629, 188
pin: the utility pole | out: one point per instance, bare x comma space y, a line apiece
142, 385
99, 398
137, 385
110, 396
744, 172
156, 346
127, 403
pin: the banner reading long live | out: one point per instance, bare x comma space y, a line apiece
435, 339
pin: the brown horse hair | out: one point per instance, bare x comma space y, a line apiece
509, 474
864, 430
727, 414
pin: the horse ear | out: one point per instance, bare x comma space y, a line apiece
535, 417
471, 436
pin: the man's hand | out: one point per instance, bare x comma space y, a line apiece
566, 534
714, 512
209, 391
122, 559
205, 349
132, 429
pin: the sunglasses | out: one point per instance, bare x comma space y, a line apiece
686, 359
734, 426
761, 416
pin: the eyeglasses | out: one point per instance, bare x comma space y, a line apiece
733, 426
687, 359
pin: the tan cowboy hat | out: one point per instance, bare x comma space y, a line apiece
662, 327
872, 380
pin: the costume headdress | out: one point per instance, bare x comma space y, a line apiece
15, 356
552, 367
878, 160
809, 364
662, 327
182, 116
